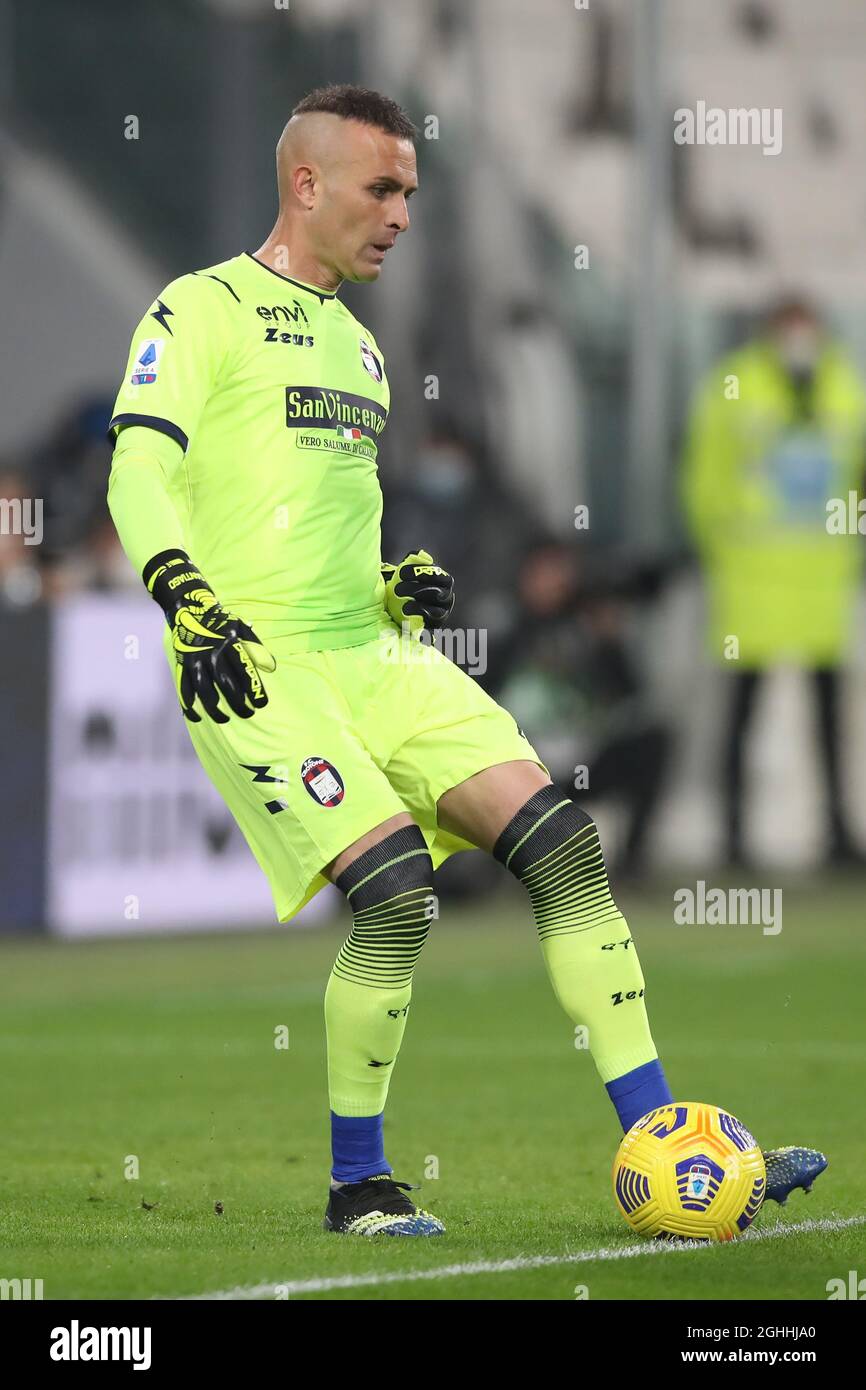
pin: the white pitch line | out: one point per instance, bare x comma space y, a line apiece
288, 1287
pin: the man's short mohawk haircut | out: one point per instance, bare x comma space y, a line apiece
359, 104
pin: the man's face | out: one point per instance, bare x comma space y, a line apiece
798, 339
360, 201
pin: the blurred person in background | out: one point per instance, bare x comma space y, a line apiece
776, 430
69, 469
455, 501
80, 549
20, 577
568, 672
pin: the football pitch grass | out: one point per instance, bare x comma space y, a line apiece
161, 1053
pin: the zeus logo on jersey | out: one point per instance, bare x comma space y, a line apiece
281, 313
322, 781
147, 356
272, 335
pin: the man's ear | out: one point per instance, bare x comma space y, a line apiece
304, 185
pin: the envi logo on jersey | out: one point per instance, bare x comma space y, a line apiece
308, 406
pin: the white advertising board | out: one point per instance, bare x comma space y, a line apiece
138, 839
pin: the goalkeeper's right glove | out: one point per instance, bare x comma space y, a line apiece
217, 653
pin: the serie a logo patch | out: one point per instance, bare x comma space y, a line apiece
322, 781
147, 357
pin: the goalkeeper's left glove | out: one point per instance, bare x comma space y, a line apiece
418, 592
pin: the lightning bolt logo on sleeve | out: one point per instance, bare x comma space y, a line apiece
162, 314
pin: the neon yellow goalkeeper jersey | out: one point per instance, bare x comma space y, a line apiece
277, 396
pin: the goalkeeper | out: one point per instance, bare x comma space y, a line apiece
244, 489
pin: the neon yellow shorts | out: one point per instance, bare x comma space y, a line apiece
348, 738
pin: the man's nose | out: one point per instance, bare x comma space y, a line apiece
400, 215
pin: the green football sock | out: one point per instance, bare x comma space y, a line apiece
390, 889
551, 845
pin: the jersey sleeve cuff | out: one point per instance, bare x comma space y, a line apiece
153, 422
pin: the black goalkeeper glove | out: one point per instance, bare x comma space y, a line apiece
418, 592
217, 653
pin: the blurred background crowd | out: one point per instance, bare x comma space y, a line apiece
627, 374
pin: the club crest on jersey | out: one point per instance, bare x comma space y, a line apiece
147, 356
371, 361
322, 781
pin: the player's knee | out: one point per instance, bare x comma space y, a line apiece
398, 865
552, 847
547, 822
390, 891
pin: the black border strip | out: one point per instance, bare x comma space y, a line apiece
154, 422
299, 284
224, 283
